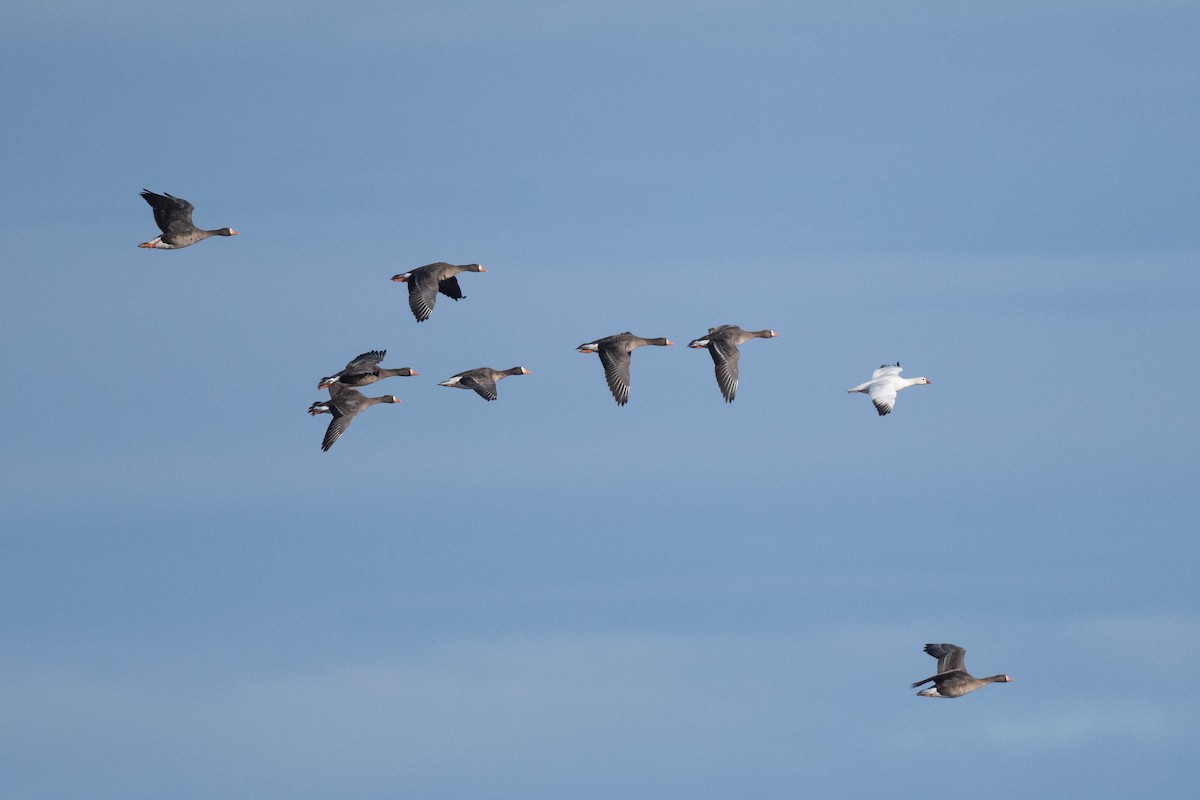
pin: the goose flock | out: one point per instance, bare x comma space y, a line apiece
614, 351
173, 215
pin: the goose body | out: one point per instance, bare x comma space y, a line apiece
952, 678
425, 282
722, 344
884, 384
614, 355
344, 404
364, 370
482, 380
173, 215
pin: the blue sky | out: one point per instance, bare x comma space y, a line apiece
549, 596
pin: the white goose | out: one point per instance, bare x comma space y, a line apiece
884, 384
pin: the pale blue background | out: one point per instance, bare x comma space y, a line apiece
549, 596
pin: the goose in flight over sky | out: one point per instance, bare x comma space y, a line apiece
344, 403
173, 215
884, 384
614, 355
482, 380
364, 370
425, 282
952, 678
722, 343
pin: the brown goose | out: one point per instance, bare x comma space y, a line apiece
173, 215
482, 380
425, 282
343, 403
364, 370
614, 355
722, 343
952, 678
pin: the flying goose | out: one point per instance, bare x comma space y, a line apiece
173, 215
722, 343
364, 370
884, 384
614, 355
482, 380
952, 678
425, 282
344, 403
